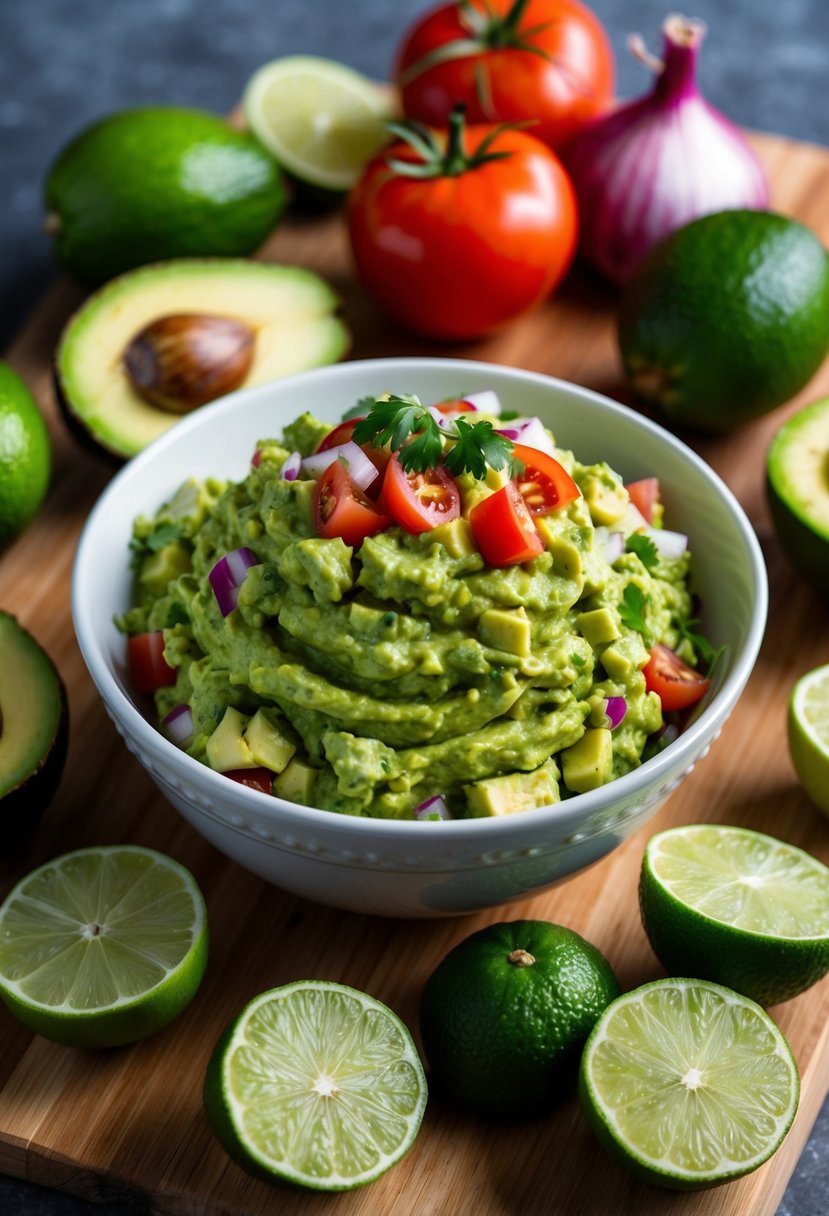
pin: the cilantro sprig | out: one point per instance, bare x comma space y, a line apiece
632, 611
710, 656
644, 548
408, 428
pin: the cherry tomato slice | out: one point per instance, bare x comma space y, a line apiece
148, 667
454, 407
503, 528
254, 778
644, 495
544, 485
342, 433
342, 509
420, 501
676, 684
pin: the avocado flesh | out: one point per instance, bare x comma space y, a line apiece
290, 309
33, 729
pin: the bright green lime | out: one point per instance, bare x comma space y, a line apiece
688, 1084
316, 1084
159, 182
505, 1015
102, 946
734, 906
727, 318
808, 730
25, 456
798, 491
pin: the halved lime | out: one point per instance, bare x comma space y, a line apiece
316, 1084
102, 946
688, 1084
808, 729
737, 907
321, 120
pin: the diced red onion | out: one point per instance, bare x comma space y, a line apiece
227, 576
532, 433
433, 808
610, 544
179, 724
445, 421
487, 401
291, 467
358, 466
668, 544
615, 709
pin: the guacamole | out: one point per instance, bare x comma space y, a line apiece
368, 679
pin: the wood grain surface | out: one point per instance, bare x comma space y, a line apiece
127, 1124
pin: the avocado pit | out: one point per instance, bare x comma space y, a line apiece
183, 360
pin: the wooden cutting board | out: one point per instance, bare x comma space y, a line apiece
128, 1124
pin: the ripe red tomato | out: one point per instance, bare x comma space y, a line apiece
455, 254
420, 501
503, 528
676, 684
545, 485
342, 509
644, 495
475, 51
148, 667
254, 778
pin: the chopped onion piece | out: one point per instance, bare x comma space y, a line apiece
358, 466
179, 724
669, 733
532, 433
615, 708
610, 544
487, 401
446, 422
433, 808
227, 576
291, 467
633, 521
668, 544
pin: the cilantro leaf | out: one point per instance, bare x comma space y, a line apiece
709, 655
632, 611
161, 535
644, 548
476, 447
359, 410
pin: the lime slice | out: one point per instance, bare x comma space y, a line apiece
737, 907
321, 120
102, 946
688, 1084
316, 1084
809, 734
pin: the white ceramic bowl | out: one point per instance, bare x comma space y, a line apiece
409, 868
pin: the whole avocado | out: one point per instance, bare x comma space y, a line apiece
159, 182
726, 319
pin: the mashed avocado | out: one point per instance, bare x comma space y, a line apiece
369, 680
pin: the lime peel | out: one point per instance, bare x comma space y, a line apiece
808, 734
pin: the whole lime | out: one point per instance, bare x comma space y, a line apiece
25, 456
726, 319
159, 182
505, 1015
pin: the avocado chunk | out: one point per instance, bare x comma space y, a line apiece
291, 312
34, 730
513, 792
589, 763
600, 625
268, 745
296, 782
507, 629
226, 748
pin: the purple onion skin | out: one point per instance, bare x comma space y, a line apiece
653, 165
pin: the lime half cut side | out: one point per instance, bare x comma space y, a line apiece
321, 120
102, 946
737, 907
808, 729
316, 1084
688, 1084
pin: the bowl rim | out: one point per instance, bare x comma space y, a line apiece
132, 723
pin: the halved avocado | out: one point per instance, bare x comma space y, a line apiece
288, 311
798, 491
34, 730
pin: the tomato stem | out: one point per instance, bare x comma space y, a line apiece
445, 160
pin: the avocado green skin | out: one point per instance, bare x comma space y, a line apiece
726, 319
160, 182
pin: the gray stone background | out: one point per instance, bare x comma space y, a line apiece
64, 63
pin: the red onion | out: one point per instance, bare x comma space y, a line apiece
615, 709
532, 433
291, 467
433, 808
179, 723
227, 576
668, 544
655, 164
610, 544
487, 401
358, 466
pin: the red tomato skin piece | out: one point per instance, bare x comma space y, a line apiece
149, 669
254, 778
342, 433
644, 495
409, 507
504, 530
553, 488
341, 509
676, 684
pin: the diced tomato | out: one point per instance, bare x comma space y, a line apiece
342, 509
253, 778
256, 458
676, 684
343, 432
149, 669
503, 528
545, 485
454, 407
420, 501
644, 495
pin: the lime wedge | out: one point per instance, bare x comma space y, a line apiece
316, 1084
809, 734
734, 906
321, 120
688, 1084
102, 946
